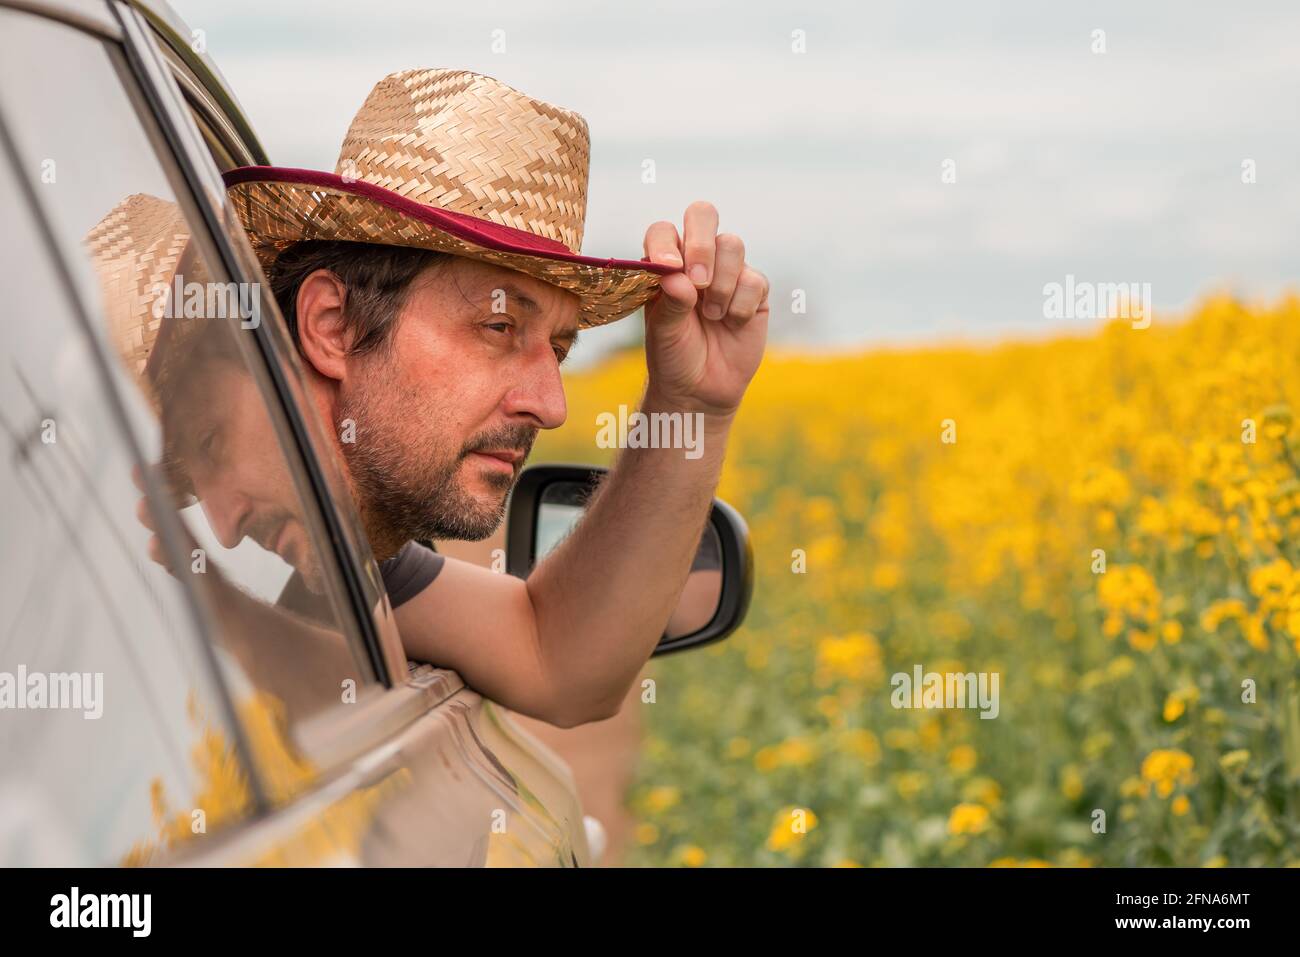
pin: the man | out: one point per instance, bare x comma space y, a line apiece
437, 371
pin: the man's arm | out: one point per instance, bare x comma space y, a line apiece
566, 645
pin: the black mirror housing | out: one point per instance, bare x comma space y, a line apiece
574, 485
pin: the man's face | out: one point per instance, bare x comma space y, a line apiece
229, 450
447, 411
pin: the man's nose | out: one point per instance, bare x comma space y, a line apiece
538, 390
226, 511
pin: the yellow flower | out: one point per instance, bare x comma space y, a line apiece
1131, 591
1255, 634
1180, 805
853, 657
968, 819
961, 759
1174, 707
1177, 701
692, 856
1141, 639
1167, 768
660, 799
790, 826
1221, 611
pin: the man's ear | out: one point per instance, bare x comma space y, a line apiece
322, 331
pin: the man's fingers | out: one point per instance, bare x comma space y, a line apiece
156, 552
144, 515
663, 245
751, 291
701, 226
727, 267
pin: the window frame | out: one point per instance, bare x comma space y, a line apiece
196, 166
410, 690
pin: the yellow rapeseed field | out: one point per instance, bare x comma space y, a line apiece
1112, 526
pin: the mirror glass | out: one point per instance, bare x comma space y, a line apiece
561, 505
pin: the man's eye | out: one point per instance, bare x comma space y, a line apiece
499, 326
561, 354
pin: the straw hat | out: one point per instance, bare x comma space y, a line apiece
457, 162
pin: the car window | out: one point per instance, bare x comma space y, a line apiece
184, 350
105, 695
226, 147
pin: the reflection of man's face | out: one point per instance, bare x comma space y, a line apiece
226, 444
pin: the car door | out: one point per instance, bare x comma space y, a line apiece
287, 732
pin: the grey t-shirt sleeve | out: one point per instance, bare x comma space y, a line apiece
410, 572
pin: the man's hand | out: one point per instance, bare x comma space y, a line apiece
707, 327
144, 513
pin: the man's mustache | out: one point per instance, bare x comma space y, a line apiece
511, 437
264, 528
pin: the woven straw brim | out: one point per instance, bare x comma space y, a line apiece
279, 212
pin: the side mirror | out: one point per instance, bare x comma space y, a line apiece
546, 504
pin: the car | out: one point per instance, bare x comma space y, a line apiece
157, 709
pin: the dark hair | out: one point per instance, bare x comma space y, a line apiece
377, 278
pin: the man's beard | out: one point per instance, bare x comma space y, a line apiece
407, 480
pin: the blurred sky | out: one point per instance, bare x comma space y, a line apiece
1124, 166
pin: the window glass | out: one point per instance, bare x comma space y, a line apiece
105, 695
250, 550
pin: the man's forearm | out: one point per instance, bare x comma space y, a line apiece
604, 596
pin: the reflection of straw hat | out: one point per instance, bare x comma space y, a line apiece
457, 162
137, 251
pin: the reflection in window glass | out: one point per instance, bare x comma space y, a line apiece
82, 566
108, 692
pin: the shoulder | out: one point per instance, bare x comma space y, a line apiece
410, 571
